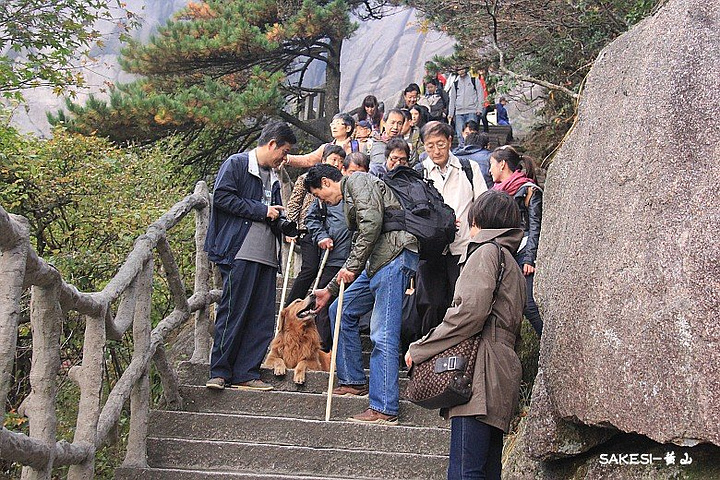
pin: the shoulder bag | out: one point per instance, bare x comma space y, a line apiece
445, 380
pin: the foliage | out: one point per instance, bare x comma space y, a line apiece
552, 44
41, 41
218, 70
87, 200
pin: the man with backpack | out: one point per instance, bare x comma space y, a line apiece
466, 100
377, 271
460, 183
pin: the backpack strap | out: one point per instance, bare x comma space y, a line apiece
467, 168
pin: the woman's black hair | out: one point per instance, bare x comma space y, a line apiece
515, 161
494, 209
423, 115
370, 101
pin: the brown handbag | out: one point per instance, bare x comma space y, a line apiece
445, 380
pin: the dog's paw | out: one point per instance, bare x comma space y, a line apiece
279, 370
299, 377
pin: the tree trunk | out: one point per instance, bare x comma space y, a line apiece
332, 78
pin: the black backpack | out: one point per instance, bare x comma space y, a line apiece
424, 213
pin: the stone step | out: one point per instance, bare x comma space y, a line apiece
149, 473
315, 382
295, 404
234, 456
298, 432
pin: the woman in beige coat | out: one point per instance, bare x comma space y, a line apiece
477, 427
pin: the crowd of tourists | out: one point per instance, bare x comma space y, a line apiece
413, 304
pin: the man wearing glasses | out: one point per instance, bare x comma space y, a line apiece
459, 187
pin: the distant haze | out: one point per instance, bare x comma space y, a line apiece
380, 59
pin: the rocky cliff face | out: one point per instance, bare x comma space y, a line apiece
628, 264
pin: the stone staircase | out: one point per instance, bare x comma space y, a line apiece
281, 434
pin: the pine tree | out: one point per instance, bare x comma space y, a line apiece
219, 69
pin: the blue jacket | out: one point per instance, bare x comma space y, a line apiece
479, 155
502, 115
330, 222
237, 202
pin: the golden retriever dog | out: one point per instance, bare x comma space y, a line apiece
297, 343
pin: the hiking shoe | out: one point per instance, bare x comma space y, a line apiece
351, 390
374, 417
253, 385
216, 383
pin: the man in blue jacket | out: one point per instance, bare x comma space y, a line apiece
244, 241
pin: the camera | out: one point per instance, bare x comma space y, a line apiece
287, 227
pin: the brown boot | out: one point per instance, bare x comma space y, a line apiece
351, 390
374, 417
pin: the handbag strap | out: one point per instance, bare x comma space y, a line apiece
498, 281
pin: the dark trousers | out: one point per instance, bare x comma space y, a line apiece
310, 265
322, 319
245, 321
475, 450
435, 289
531, 311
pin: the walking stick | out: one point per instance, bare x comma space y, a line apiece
322, 266
333, 356
291, 254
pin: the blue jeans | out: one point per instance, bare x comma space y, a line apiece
475, 450
460, 120
383, 294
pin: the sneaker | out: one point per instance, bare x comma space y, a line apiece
374, 417
351, 391
253, 385
216, 383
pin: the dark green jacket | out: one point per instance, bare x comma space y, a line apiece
366, 198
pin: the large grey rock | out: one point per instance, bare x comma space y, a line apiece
628, 277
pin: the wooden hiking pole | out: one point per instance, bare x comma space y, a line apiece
291, 254
322, 267
333, 355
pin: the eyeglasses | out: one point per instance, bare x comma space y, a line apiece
438, 145
395, 159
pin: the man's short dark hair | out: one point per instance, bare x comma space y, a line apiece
480, 139
494, 209
393, 111
278, 131
359, 159
413, 87
347, 119
436, 128
397, 143
314, 176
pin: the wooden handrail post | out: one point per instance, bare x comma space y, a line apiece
46, 318
203, 341
140, 397
12, 275
88, 376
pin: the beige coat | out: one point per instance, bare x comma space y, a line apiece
458, 194
496, 381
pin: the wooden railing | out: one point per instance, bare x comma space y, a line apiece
52, 298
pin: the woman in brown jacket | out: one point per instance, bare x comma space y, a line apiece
477, 426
